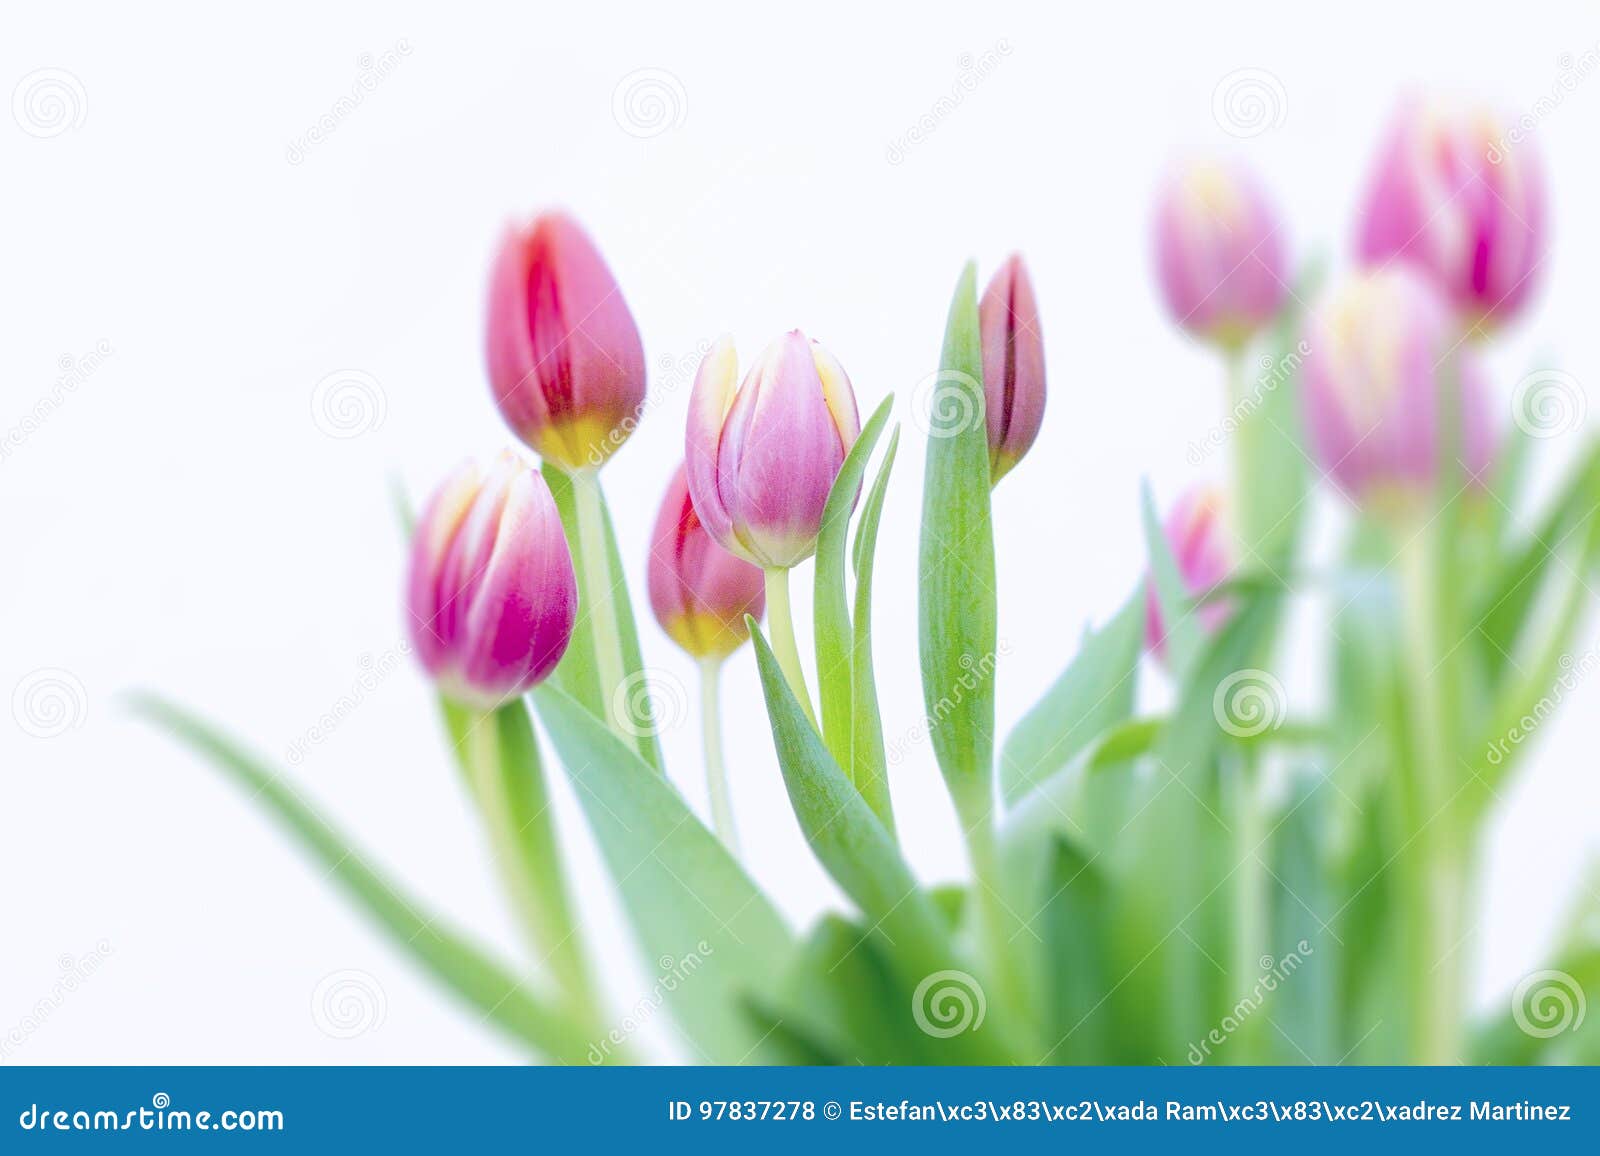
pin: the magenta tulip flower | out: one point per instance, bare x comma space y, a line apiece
1013, 366
564, 355
762, 456
1452, 197
1381, 351
492, 595
1220, 254
700, 593
1198, 536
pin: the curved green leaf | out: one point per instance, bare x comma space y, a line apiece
1091, 696
870, 765
856, 850
685, 895
464, 969
956, 571
830, 605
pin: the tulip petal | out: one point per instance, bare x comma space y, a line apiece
715, 387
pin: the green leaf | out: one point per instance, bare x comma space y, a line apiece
499, 757
1076, 918
1304, 954
684, 894
1179, 844
1094, 694
1507, 609
956, 571
830, 603
463, 969
871, 769
1183, 634
856, 850
578, 674
842, 998
1063, 802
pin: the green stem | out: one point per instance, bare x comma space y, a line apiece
1249, 891
711, 737
523, 844
1000, 930
594, 576
1437, 885
780, 621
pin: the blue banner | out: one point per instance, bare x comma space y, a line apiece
781, 1109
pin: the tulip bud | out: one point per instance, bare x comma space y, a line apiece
492, 596
1197, 534
1013, 366
1219, 253
700, 593
564, 354
1455, 199
762, 457
1380, 352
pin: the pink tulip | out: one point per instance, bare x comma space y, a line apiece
1452, 197
762, 456
700, 593
564, 354
1197, 534
1219, 252
1013, 366
1380, 352
492, 596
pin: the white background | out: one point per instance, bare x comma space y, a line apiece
183, 520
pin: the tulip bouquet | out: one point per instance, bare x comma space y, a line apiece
1214, 879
